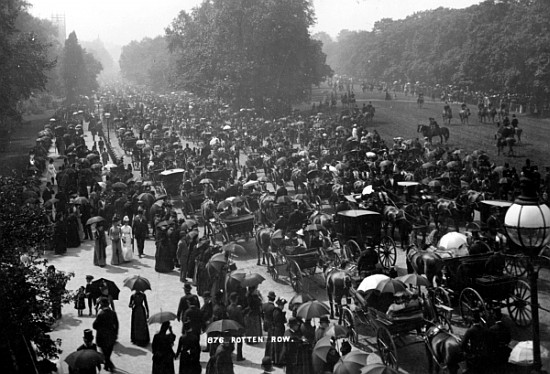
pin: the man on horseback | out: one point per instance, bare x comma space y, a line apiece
434, 126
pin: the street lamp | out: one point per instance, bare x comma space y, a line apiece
140, 144
527, 224
107, 116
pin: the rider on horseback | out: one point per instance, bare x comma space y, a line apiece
433, 124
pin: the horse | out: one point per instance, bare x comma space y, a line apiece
503, 142
298, 179
483, 114
322, 219
464, 114
263, 240
443, 347
428, 132
338, 282
424, 262
447, 115
397, 218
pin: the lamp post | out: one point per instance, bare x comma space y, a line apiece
140, 144
107, 117
527, 224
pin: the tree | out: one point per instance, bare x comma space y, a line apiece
248, 53
25, 311
79, 70
24, 61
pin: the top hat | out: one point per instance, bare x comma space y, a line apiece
324, 319
88, 334
271, 295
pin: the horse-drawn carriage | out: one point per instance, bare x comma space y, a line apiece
481, 286
171, 181
238, 226
128, 144
361, 230
371, 311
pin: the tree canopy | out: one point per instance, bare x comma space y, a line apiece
248, 53
495, 45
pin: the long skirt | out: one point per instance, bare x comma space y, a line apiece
117, 258
277, 348
164, 262
100, 255
139, 333
253, 324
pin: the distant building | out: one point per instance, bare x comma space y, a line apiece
58, 20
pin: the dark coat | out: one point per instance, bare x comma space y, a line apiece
267, 312
106, 325
184, 304
207, 312
194, 316
189, 352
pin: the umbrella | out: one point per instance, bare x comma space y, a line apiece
172, 172
370, 154
110, 166
223, 325
234, 248
281, 161
428, 165
299, 299
378, 369
137, 283
285, 199
453, 164
338, 331
223, 204
146, 197
161, 317
312, 309
414, 279
206, 181
160, 197
95, 219
111, 286
190, 223
522, 354
322, 347
226, 127
453, 240
214, 141
351, 363
250, 184
119, 186
312, 174
434, 183
247, 280
85, 360
391, 285
367, 190
371, 282
81, 200
217, 261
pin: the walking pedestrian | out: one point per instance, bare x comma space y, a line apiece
185, 301
100, 245
127, 241
252, 313
279, 321
139, 332
267, 315
89, 294
163, 354
206, 313
140, 230
297, 351
51, 173
116, 243
324, 322
183, 253
189, 351
221, 362
106, 326
235, 312
193, 315
80, 301
88, 344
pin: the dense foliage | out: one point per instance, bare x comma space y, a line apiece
79, 70
26, 305
148, 63
248, 53
24, 59
496, 45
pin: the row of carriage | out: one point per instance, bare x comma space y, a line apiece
465, 284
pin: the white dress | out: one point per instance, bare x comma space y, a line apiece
127, 251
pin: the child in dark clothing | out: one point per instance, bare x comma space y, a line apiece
80, 301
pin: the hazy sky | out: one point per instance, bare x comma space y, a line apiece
121, 21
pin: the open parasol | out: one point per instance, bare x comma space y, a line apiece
223, 325
352, 363
85, 360
98, 284
299, 299
234, 248
371, 282
414, 279
312, 309
137, 283
391, 285
161, 317
95, 219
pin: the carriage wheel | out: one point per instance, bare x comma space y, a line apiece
349, 322
387, 252
519, 304
441, 297
271, 266
295, 275
514, 266
469, 301
352, 250
386, 347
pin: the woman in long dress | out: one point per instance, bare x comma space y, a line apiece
126, 230
139, 333
116, 243
73, 238
164, 262
252, 317
100, 255
279, 321
163, 354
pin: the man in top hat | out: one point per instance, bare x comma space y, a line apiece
140, 230
324, 323
267, 311
267, 365
297, 351
193, 315
185, 300
88, 344
206, 313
